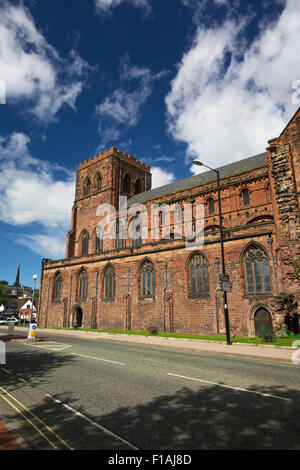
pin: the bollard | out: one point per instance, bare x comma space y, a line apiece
11, 329
32, 331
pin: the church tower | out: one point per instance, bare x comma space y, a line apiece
101, 180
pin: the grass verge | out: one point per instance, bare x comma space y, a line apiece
276, 341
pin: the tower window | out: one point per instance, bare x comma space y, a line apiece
126, 184
85, 244
87, 187
99, 182
137, 187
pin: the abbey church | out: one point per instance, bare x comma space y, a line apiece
137, 283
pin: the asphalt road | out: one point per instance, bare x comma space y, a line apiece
67, 392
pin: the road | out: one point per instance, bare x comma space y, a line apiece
77, 393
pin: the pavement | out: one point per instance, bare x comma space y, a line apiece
268, 353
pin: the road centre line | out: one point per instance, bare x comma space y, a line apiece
50, 430
51, 345
93, 423
230, 387
98, 359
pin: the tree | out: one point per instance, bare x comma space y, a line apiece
3, 295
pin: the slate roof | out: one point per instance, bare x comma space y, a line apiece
247, 164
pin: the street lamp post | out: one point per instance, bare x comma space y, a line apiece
197, 162
31, 311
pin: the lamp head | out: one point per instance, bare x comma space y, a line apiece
197, 162
34, 277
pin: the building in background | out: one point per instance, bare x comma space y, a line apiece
143, 283
17, 290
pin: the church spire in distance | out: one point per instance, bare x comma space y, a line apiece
17, 281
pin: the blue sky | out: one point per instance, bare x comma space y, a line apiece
164, 80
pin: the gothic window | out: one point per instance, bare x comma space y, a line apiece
99, 182
137, 235
246, 197
120, 235
211, 205
85, 244
137, 187
57, 288
87, 187
126, 184
147, 279
109, 283
198, 276
99, 242
257, 271
82, 285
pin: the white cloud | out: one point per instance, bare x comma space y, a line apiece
225, 114
48, 246
160, 177
108, 5
32, 69
122, 108
35, 193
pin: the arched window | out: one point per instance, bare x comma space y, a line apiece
137, 186
136, 235
99, 242
198, 276
99, 182
87, 187
126, 184
82, 284
211, 205
257, 270
57, 288
246, 197
147, 279
85, 244
109, 282
120, 235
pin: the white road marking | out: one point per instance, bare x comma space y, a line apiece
7, 371
93, 423
228, 386
51, 345
99, 359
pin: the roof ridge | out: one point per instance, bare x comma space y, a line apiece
200, 178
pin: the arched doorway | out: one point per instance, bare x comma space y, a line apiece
262, 319
77, 317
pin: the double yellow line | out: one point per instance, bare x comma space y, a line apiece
13, 402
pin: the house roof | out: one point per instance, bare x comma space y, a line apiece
19, 303
242, 166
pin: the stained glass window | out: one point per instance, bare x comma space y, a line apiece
147, 279
257, 271
198, 276
82, 284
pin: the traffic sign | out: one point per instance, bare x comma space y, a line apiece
227, 286
32, 331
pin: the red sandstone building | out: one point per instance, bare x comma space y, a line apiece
137, 284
